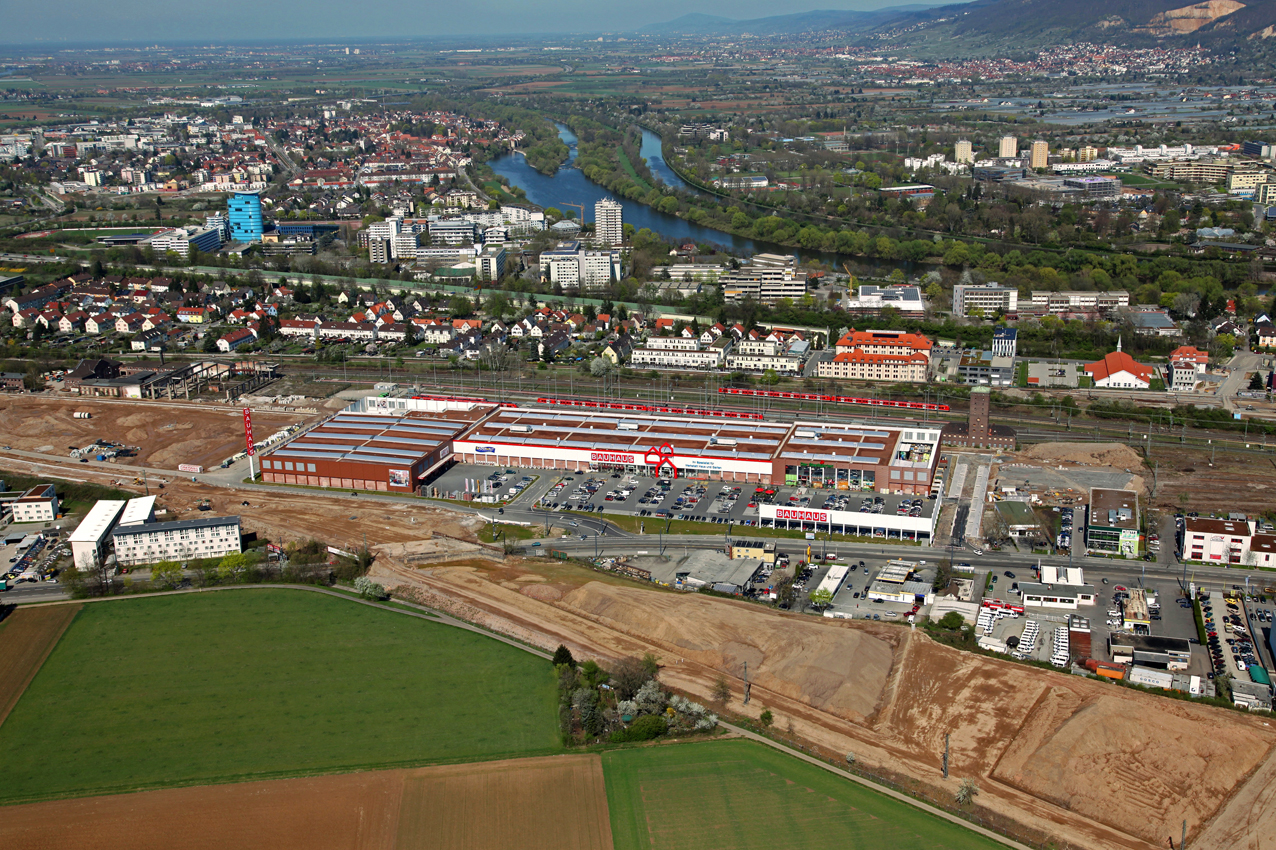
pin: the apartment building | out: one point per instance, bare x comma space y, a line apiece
680, 353
963, 153
767, 279
1209, 171
491, 263
884, 342
149, 542
757, 355
859, 365
39, 504
1008, 147
608, 223
574, 268
1039, 154
988, 298
986, 369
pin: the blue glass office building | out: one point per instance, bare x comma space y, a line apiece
245, 217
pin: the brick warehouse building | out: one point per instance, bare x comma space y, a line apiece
389, 450
977, 432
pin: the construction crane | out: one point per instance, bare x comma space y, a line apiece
580, 207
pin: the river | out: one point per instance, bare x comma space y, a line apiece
568, 185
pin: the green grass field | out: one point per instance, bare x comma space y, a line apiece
230, 685
739, 795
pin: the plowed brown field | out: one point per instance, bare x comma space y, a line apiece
518, 803
27, 637
500, 805
354, 811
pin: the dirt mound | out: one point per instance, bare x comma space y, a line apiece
842, 671
1140, 763
1117, 455
1154, 758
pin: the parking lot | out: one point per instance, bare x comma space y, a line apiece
488, 484
31, 564
717, 502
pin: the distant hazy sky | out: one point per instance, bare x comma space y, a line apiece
160, 20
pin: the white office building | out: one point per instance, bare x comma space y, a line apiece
989, 298
608, 226
149, 542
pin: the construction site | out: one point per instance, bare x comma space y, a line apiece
1077, 761
159, 434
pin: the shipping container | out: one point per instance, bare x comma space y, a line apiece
189, 467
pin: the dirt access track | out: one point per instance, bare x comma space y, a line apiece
1078, 761
167, 433
484, 806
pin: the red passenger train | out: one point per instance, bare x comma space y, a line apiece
835, 399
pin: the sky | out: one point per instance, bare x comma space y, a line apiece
133, 21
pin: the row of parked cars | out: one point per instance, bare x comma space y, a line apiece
1240, 644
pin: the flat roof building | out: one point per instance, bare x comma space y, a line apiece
1113, 523
38, 504
151, 542
897, 582
1165, 653
391, 448
88, 541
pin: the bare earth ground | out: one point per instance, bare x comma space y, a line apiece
518, 803
168, 433
27, 637
1085, 762
533, 804
336, 519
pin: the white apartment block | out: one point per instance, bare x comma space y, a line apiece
491, 263
678, 353
206, 537
608, 224
574, 268
761, 355
674, 343
39, 504
989, 297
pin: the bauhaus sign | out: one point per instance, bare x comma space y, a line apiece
805, 516
611, 457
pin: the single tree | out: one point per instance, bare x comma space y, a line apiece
563, 655
721, 691
766, 718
